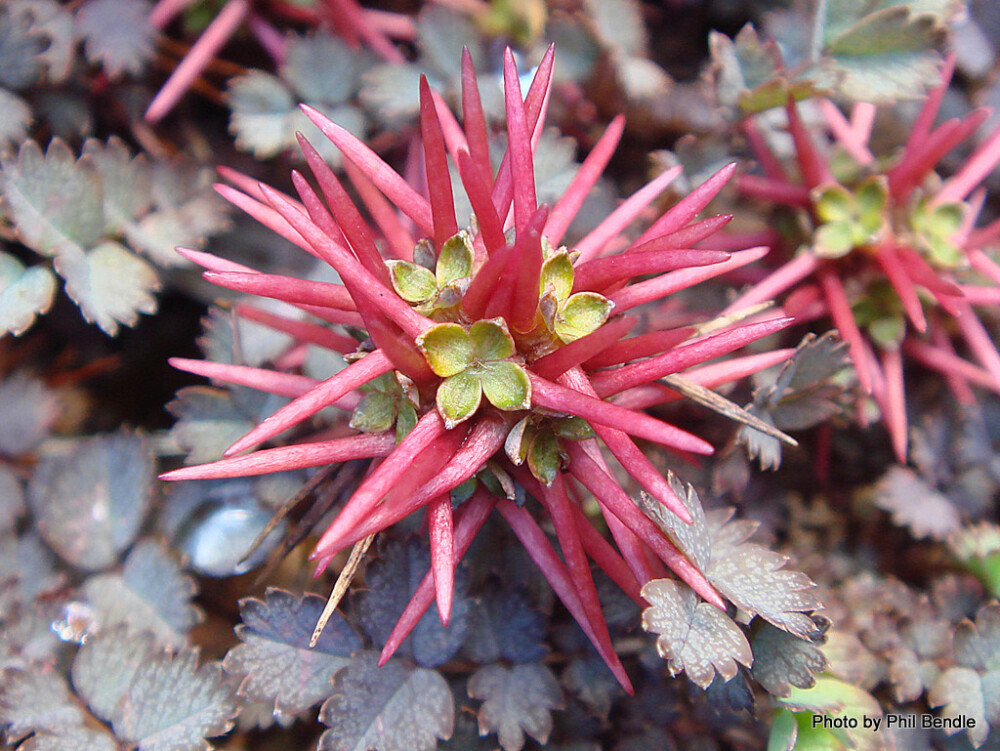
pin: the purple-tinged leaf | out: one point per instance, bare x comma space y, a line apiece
503, 624
915, 504
781, 660
274, 660
516, 701
747, 574
29, 408
24, 292
106, 665
694, 637
117, 35
172, 704
149, 593
36, 699
392, 708
391, 582
914, 662
90, 504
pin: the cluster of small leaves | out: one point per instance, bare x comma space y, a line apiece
697, 638
40, 45
265, 108
90, 217
864, 51
802, 393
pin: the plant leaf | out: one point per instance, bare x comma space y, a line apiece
915, 504
694, 637
54, 200
36, 699
15, 117
413, 283
90, 504
309, 61
106, 664
458, 397
782, 660
172, 704
582, 314
126, 182
150, 593
110, 285
504, 625
491, 340
77, 738
275, 661
455, 260
516, 700
116, 35
29, 409
392, 708
391, 581
505, 384
448, 348
747, 574
24, 293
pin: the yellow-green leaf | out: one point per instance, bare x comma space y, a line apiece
491, 340
447, 347
583, 313
557, 274
544, 457
455, 260
506, 385
413, 283
458, 398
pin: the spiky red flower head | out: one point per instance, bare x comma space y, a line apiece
497, 354
893, 257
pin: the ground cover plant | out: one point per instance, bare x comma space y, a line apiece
460, 375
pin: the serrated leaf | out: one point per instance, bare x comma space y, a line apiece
110, 285
693, 637
106, 664
51, 22
504, 625
150, 593
442, 33
29, 409
888, 54
619, 25
915, 504
24, 293
391, 91
71, 739
447, 347
173, 704
20, 62
263, 113
506, 385
276, 663
117, 35
391, 581
126, 182
209, 420
36, 699
747, 574
962, 691
781, 660
90, 504
392, 708
27, 569
53, 199
516, 701
321, 68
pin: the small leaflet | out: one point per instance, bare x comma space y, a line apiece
20, 51
36, 699
116, 35
972, 686
29, 408
782, 660
307, 66
106, 664
149, 593
916, 505
77, 738
392, 708
748, 574
126, 180
694, 637
391, 581
25, 292
90, 504
27, 569
516, 701
111, 285
274, 660
15, 117
504, 625
208, 422
172, 704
